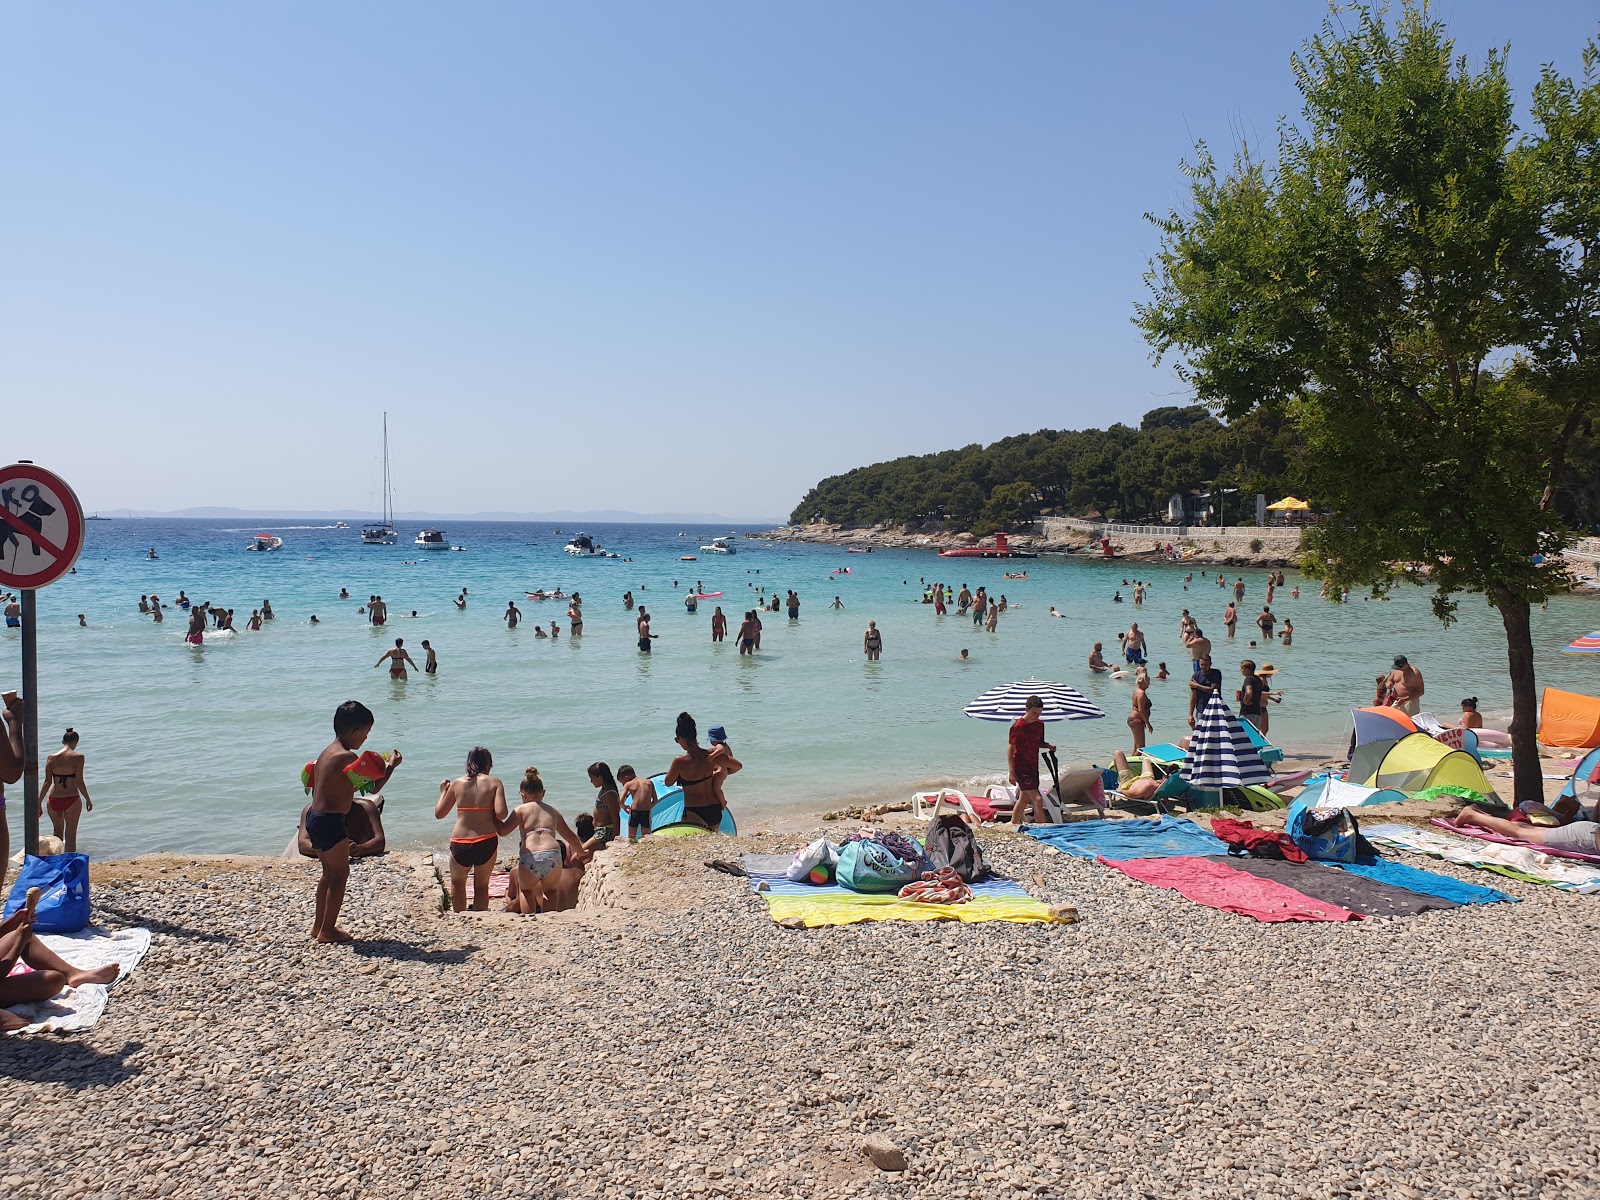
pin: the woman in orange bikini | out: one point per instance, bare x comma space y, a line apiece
66, 796
480, 803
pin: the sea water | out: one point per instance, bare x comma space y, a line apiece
200, 749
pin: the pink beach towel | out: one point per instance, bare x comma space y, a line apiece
1221, 887
1488, 835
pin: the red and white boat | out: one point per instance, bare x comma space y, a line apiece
1000, 549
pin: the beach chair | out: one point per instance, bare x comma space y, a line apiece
1269, 753
923, 811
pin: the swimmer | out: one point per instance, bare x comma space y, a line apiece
82, 624
313, 620
430, 660
1053, 612
1161, 671
513, 614
397, 660
1097, 660
964, 657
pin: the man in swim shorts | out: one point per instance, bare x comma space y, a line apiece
638, 798
327, 823
364, 824
513, 614
430, 661
1406, 683
397, 659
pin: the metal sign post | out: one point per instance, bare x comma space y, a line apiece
41, 536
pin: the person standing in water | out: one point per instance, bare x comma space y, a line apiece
430, 660
479, 800
332, 794
66, 794
197, 626
461, 600
575, 616
719, 625
397, 659
512, 614
872, 642
642, 624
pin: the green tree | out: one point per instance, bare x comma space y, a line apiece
1404, 287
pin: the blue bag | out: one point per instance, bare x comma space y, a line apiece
870, 866
64, 880
1327, 834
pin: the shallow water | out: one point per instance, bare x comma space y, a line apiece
200, 749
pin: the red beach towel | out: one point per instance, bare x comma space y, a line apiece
1217, 886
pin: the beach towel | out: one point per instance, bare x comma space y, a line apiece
1517, 862
79, 1008
992, 900
1135, 837
1489, 835
1244, 837
1325, 882
1218, 885
1386, 870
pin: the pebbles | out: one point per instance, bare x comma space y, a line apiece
676, 1042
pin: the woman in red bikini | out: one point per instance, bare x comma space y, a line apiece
66, 796
479, 800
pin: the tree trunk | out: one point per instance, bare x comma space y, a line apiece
1514, 614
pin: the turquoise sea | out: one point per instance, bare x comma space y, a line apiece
200, 749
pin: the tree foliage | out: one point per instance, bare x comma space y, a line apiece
1410, 286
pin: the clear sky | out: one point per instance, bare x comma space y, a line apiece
649, 256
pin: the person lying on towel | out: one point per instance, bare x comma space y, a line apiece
1581, 837
50, 976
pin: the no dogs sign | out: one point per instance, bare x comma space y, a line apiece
41, 527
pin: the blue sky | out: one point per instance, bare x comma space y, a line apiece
651, 256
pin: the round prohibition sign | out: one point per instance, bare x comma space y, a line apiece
41, 526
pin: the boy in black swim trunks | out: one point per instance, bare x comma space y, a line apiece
638, 798
326, 823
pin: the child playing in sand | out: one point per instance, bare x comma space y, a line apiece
638, 798
332, 793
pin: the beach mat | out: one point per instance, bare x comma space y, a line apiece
1359, 894
1219, 885
1386, 870
992, 900
1134, 837
1489, 835
77, 1009
1515, 862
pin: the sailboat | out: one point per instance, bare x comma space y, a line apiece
384, 534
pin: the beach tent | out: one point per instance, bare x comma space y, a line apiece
1382, 723
1568, 719
668, 809
1221, 754
1584, 783
1324, 791
1414, 763
1288, 504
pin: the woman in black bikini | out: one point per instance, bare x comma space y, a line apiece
608, 804
480, 803
66, 796
694, 773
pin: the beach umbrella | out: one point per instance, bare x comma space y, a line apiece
1008, 703
1589, 643
1220, 751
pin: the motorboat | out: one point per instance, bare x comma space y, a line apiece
341, 524
264, 542
1000, 549
383, 534
584, 546
432, 539
719, 545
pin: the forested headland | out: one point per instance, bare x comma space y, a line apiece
1121, 472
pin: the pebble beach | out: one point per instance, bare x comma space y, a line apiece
667, 1039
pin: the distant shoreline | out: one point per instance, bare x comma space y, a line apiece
601, 517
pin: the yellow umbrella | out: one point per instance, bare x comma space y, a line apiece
1288, 504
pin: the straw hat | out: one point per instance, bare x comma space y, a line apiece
1266, 669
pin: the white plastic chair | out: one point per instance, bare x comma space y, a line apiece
919, 803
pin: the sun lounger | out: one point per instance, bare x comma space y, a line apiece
925, 805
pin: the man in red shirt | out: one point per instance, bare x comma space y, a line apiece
1027, 738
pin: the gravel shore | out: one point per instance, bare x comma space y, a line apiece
668, 1040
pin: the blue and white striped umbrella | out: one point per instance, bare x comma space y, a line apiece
1221, 754
1008, 703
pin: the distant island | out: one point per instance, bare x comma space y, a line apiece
599, 516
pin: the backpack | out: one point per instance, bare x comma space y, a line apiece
1327, 834
950, 843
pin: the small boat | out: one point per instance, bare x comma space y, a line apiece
584, 546
432, 539
858, 550
1000, 549
98, 517
383, 534
687, 558
262, 542
341, 524
718, 545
